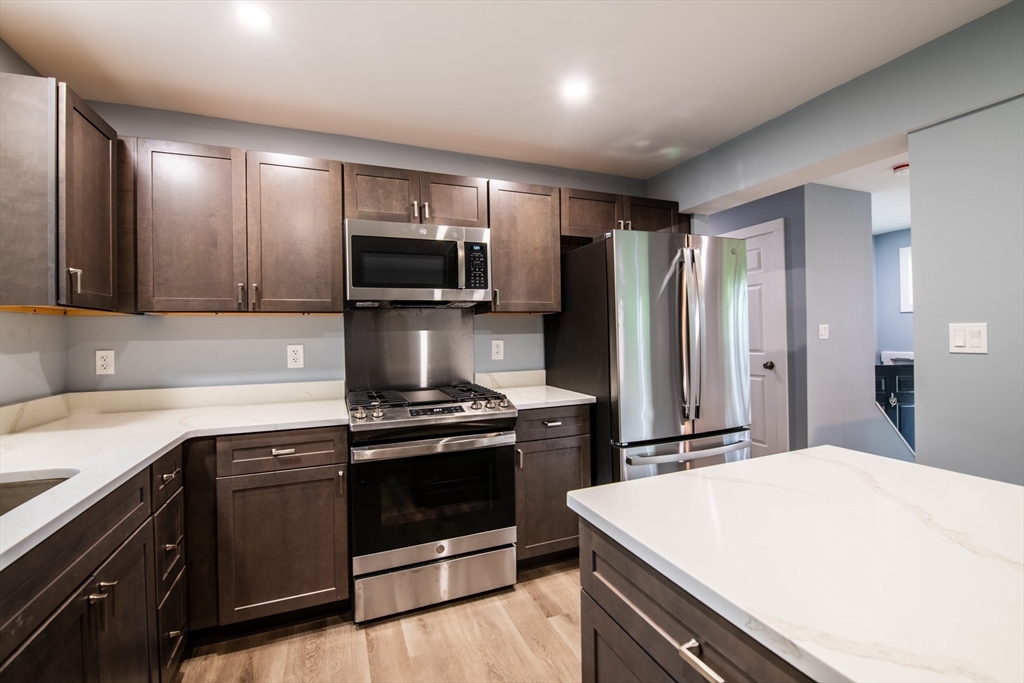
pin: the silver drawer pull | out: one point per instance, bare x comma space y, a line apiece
170, 477
170, 547
282, 451
557, 423
690, 651
174, 634
77, 274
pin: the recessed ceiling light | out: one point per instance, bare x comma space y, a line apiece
254, 17
901, 169
575, 91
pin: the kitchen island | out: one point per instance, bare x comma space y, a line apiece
824, 563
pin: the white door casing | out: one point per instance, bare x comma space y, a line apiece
766, 294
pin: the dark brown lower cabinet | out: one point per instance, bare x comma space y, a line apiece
636, 625
545, 472
282, 541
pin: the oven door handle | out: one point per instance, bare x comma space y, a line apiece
448, 444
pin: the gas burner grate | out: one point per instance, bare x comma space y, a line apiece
386, 399
469, 392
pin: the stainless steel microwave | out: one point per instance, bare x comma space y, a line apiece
408, 264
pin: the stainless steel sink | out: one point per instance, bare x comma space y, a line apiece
20, 487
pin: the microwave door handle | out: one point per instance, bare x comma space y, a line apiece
700, 329
461, 250
684, 326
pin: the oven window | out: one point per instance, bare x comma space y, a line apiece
398, 503
392, 262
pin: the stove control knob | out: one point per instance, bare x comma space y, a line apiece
490, 404
475, 405
377, 412
503, 403
359, 413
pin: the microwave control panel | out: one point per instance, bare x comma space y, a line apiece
476, 265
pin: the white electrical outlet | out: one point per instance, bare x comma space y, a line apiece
822, 331
295, 358
497, 349
105, 362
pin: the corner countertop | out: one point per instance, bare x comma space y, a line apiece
544, 396
109, 449
849, 566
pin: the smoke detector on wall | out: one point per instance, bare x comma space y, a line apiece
901, 169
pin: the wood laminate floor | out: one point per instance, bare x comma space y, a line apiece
530, 632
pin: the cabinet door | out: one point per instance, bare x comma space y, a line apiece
282, 541
377, 193
590, 214
87, 209
453, 200
62, 649
126, 627
609, 654
190, 227
545, 472
294, 233
649, 215
525, 252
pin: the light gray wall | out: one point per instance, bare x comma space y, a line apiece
966, 200
789, 206
32, 358
524, 342
894, 330
841, 408
978, 64
11, 62
169, 125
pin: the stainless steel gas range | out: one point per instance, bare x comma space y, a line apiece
432, 485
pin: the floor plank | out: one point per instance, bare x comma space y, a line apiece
529, 632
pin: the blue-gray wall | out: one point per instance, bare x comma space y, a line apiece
863, 120
789, 206
32, 356
968, 213
894, 330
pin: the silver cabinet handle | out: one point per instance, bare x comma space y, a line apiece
170, 477
341, 482
174, 634
77, 274
170, 547
415, 209
497, 297
241, 292
629, 225
622, 225
520, 452
282, 451
255, 296
548, 423
426, 210
96, 598
690, 651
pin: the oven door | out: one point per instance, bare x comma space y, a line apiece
412, 262
417, 501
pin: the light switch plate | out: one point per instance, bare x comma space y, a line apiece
968, 337
497, 349
295, 356
822, 331
105, 362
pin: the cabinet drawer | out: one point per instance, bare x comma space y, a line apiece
167, 477
654, 611
609, 654
274, 451
171, 622
170, 542
553, 423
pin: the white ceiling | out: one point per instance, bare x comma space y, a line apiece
671, 79
890, 193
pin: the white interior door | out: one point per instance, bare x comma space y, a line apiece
769, 377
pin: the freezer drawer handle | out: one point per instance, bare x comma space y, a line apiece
692, 455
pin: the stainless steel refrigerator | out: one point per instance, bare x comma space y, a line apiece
655, 325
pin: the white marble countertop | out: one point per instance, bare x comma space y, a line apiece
544, 396
850, 566
109, 449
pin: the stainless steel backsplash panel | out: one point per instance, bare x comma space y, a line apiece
412, 348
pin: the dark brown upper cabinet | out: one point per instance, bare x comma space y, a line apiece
396, 194
588, 214
190, 205
295, 240
58, 164
525, 257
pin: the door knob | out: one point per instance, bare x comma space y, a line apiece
768, 365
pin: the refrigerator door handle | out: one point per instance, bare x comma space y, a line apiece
700, 326
692, 455
684, 326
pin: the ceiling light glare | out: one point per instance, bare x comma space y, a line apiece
253, 17
575, 91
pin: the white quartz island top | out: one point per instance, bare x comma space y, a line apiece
109, 449
850, 566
